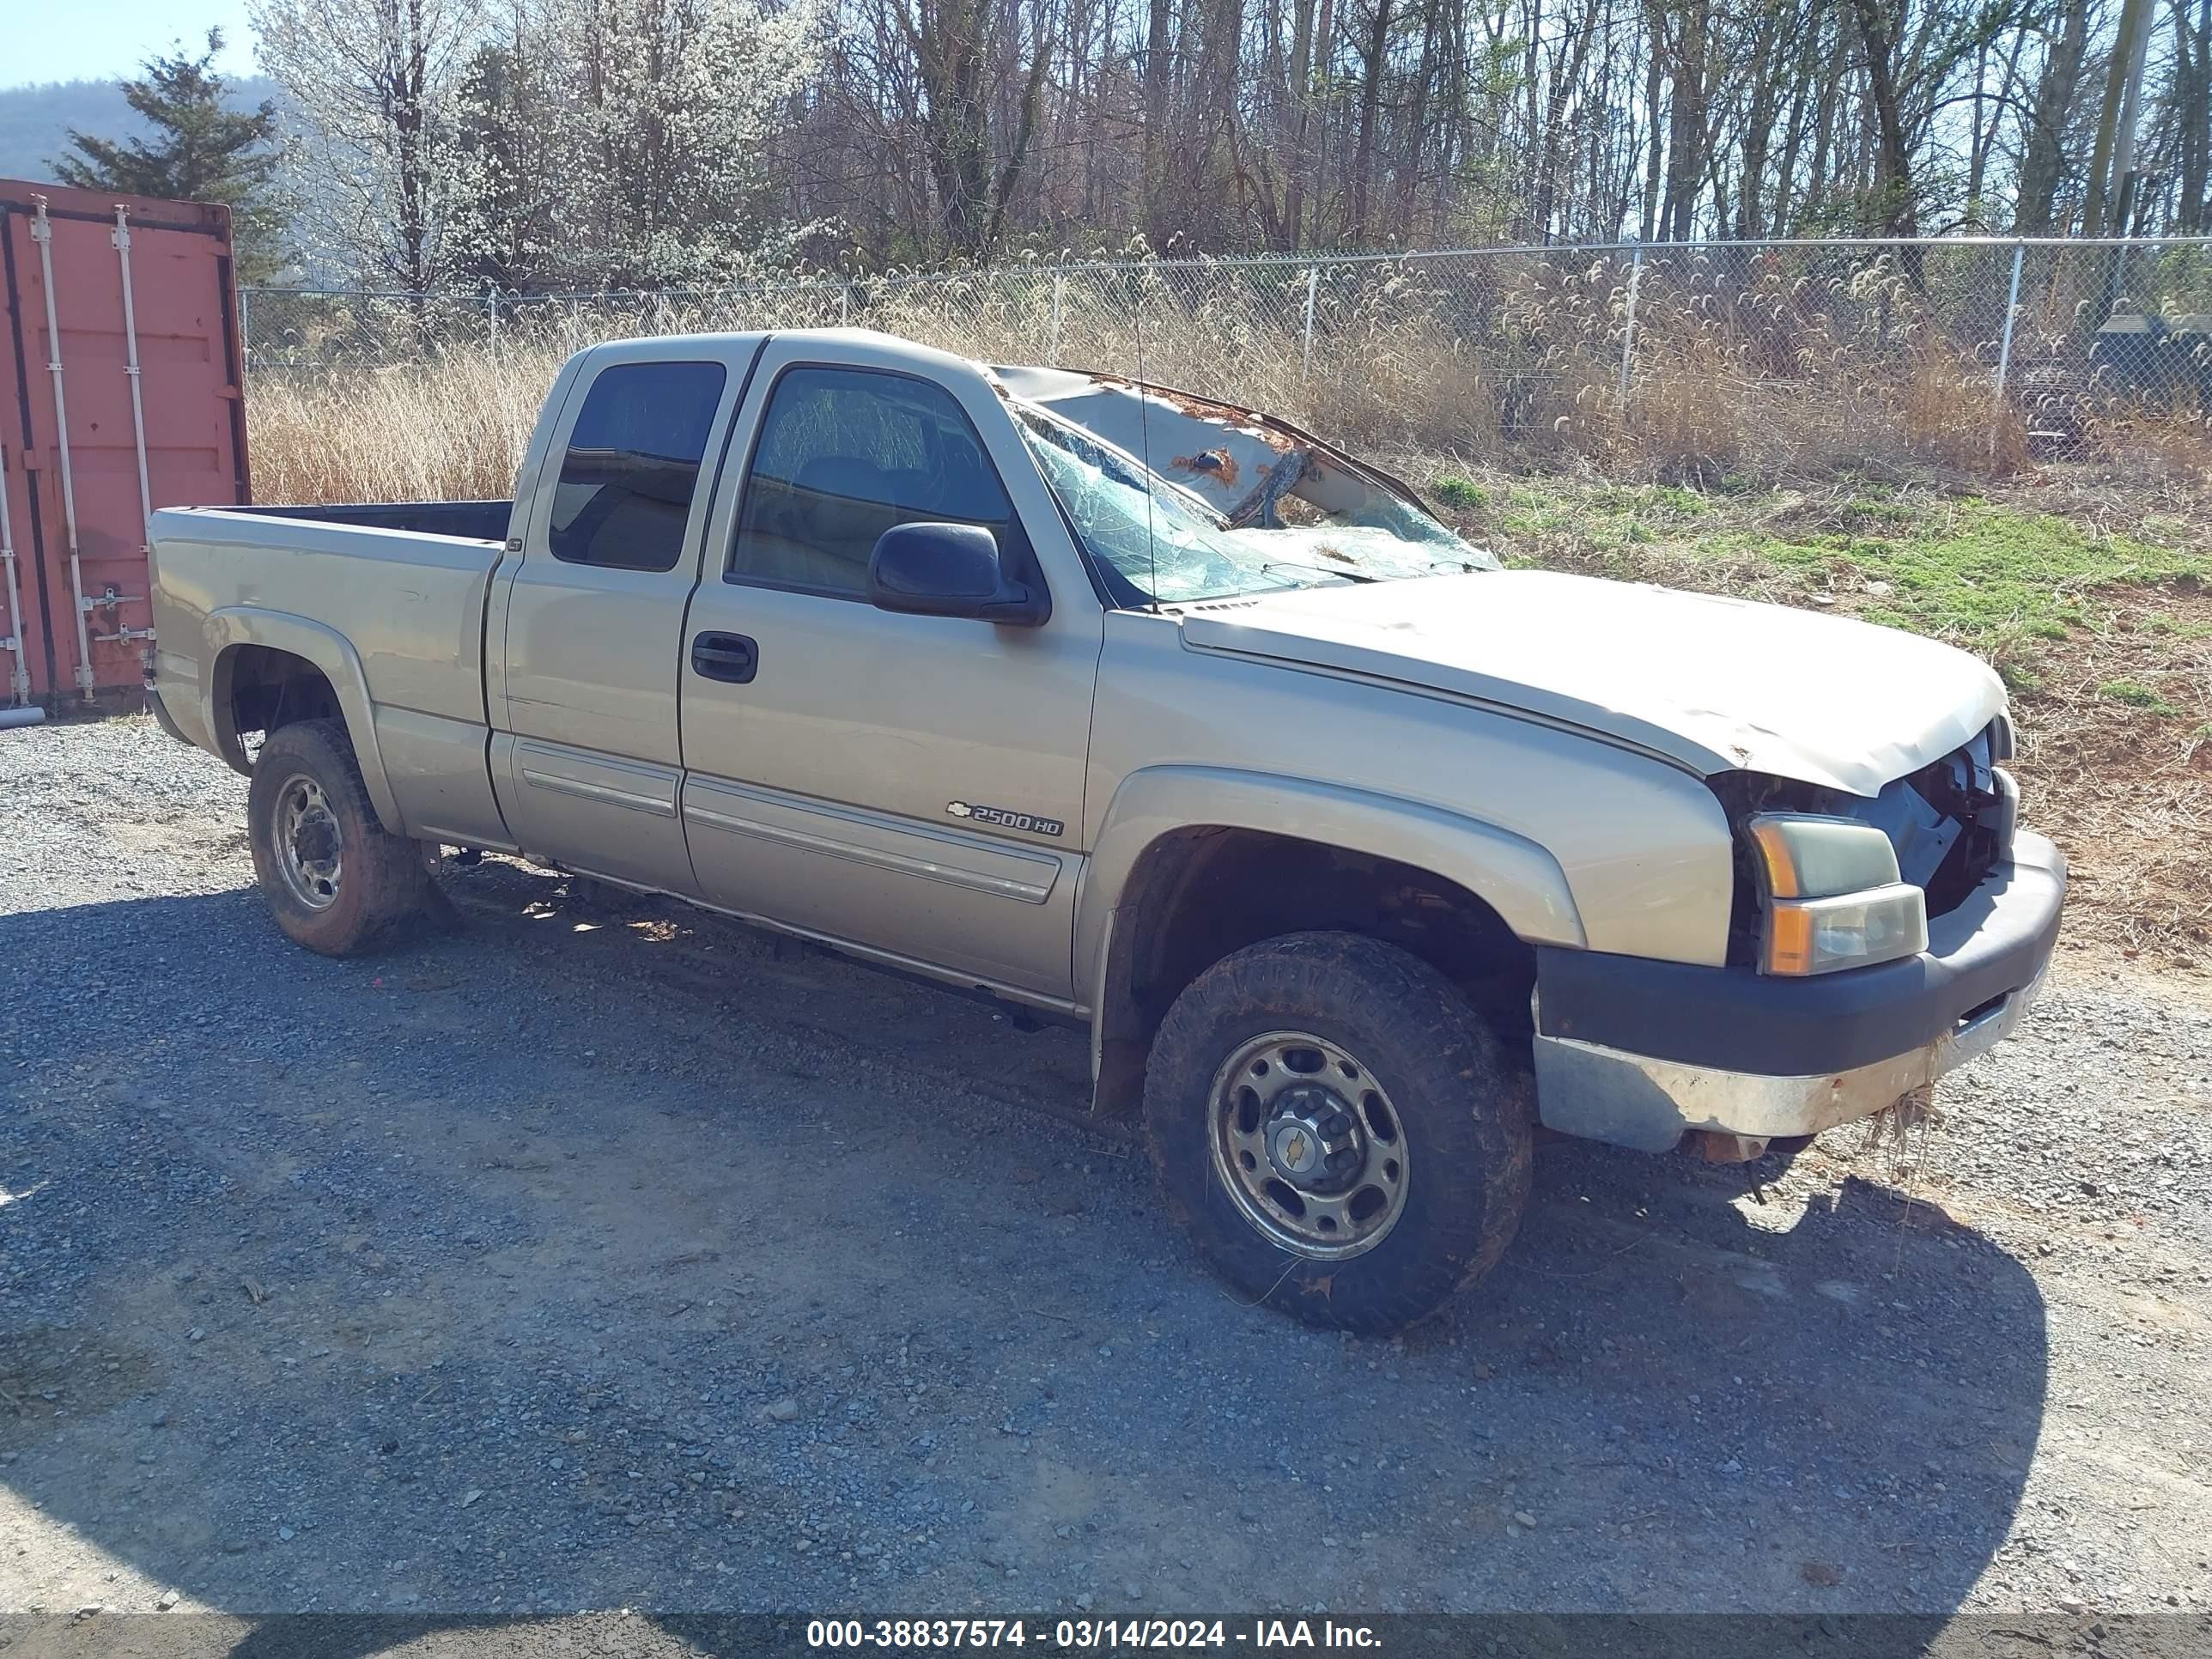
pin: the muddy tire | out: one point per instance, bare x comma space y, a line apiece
338, 881
1341, 1134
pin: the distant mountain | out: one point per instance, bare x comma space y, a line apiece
34, 121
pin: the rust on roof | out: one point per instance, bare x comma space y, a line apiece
1214, 463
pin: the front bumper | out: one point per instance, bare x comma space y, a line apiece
1641, 1053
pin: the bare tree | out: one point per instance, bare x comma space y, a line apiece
918, 130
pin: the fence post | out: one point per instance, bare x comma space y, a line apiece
491, 319
2004, 348
844, 302
1628, 327
1313, 283
1059, 294
244, 334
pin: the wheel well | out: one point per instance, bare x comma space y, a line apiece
1201, 893
260, 688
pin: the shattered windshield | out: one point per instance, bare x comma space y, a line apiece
1160, 543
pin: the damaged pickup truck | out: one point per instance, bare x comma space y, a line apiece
1358, 857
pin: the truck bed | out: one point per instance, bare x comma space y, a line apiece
403, 604
479, 521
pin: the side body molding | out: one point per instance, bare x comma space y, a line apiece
1513, 875
232, 626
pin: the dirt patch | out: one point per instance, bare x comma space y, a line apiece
2117, 757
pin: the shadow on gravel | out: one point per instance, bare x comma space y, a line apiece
542, 1265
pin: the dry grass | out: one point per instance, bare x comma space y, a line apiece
1745, 377
1763, 372
451, 430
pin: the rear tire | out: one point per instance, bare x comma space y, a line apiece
1338, 1129
336, 879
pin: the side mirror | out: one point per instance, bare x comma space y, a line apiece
950, 570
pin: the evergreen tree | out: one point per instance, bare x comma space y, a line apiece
201, 150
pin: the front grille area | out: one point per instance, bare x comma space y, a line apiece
1949, 823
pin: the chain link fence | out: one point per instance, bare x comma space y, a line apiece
1702, 358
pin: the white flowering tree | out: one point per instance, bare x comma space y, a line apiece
518, 143
512, 173
372, 86
668, 110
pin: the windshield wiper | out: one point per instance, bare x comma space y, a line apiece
1317, 570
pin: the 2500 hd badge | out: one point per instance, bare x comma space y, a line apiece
1006, 819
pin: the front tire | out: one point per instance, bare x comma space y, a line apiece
336, 879
1338, 1129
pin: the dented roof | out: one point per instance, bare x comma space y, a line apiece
1240, 462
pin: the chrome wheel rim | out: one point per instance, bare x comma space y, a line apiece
1307, 1145
310, 847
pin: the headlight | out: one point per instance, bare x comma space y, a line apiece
2008, 809
1833, 898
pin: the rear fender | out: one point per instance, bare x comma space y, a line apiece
329, 651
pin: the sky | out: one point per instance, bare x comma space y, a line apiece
107, 40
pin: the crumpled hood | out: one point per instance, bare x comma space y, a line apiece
1717, 683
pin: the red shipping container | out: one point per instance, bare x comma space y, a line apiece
121, 390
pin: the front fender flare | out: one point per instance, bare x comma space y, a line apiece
1513, 875
330, 651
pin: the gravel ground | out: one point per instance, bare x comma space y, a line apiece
578, 1255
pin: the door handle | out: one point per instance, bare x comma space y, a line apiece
731, 657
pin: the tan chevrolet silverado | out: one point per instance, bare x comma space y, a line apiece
1359, 858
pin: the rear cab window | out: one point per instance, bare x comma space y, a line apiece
631, 469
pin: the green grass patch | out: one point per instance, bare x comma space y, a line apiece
2136, 694
2000, 579
2176, 627
1651, 500
1462, 494
1874, 512
1980, 572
